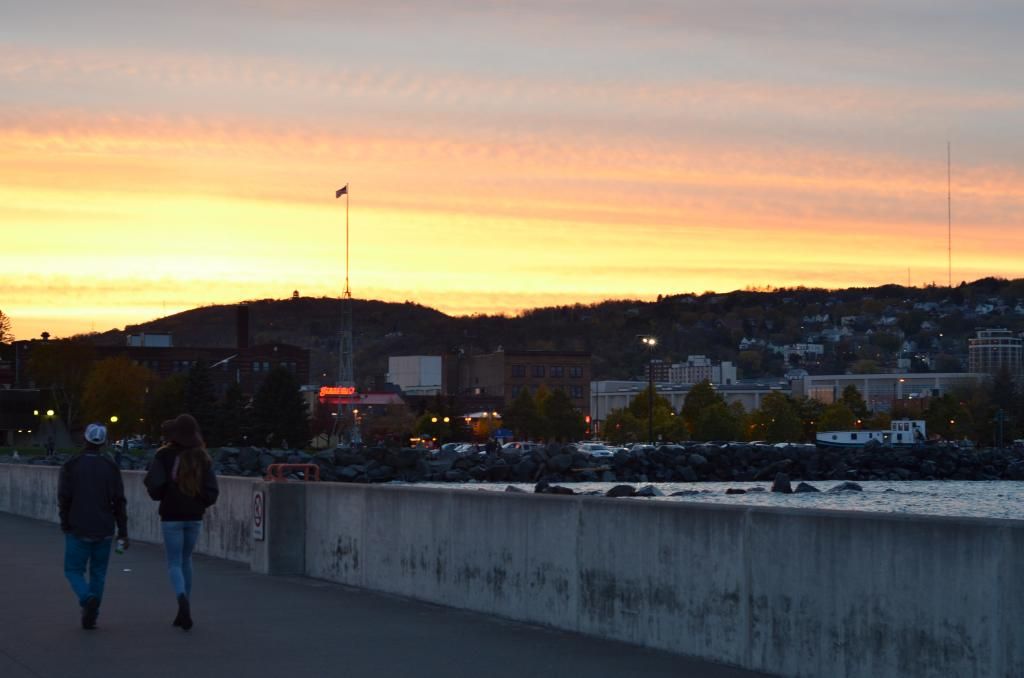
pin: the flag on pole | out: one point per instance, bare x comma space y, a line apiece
341, 191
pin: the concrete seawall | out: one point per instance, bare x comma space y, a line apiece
31, 491
788, 592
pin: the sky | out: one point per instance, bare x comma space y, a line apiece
158, 156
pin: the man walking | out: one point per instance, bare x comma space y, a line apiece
90, 495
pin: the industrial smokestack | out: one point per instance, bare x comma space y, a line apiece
242, 325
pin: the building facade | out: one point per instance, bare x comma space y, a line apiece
417, 375
881, 391
501, 376
994, 350
696, 369
611, 395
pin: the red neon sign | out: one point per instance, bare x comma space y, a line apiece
326, 391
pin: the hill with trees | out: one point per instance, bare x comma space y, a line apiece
860, 329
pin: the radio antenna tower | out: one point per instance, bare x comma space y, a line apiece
949, 214
345, 376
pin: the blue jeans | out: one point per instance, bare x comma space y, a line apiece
180, 538
81, 553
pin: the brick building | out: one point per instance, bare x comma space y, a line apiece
494, 380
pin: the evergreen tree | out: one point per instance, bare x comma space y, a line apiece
852, 398
233, 424
837, 417
522, 416
280, 414
6, 336
200, 400
776, 420
810, 411
166, 401
622, 427
698, 399
717, 422
563, 420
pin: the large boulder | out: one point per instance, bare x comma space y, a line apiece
649, 491
402, 458
524, 471
846, 487
560, 463
249, 459
499, 472
343, 456
621, 491
456, 476
350, 473
805, 487
687, 474
696, 460
773, 469
781, 484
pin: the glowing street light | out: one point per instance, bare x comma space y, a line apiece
113, 419
650, 342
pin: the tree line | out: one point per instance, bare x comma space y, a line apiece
82, 389
989, 413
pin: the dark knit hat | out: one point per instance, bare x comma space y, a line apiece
184, 431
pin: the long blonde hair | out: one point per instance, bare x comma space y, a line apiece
192, 464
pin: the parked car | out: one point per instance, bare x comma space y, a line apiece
523, 447
596, 450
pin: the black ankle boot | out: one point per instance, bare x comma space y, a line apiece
184, 618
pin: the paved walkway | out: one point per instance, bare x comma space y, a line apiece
254, 626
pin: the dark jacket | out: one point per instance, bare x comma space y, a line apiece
175, 505
90, 496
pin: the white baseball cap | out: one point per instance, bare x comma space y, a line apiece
96, 434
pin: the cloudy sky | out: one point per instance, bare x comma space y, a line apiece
156, 156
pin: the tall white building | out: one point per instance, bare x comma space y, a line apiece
698, 368
416, 374
994, 350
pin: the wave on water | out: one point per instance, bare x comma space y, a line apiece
976, 499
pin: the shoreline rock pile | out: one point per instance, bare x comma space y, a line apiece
668, 463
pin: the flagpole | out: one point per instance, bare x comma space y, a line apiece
348, 292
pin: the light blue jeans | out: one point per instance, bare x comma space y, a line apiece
80, 554
180, 538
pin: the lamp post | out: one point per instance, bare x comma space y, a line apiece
650, 342
113, 423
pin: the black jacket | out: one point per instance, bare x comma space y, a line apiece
90, 496
175, 505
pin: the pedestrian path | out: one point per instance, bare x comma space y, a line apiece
254, 626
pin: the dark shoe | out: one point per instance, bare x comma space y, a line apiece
90, 611
184, 618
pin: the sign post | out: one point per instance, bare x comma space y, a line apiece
259, 515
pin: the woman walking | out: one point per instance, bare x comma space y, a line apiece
181, 478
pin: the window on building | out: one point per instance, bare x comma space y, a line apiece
519, 370
576, 372
516, 390
557, 371
538, 371
576, 392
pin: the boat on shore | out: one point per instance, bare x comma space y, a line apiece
901, 433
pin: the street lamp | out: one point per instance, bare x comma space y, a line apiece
650, 343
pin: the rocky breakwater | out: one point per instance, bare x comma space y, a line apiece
668, 463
